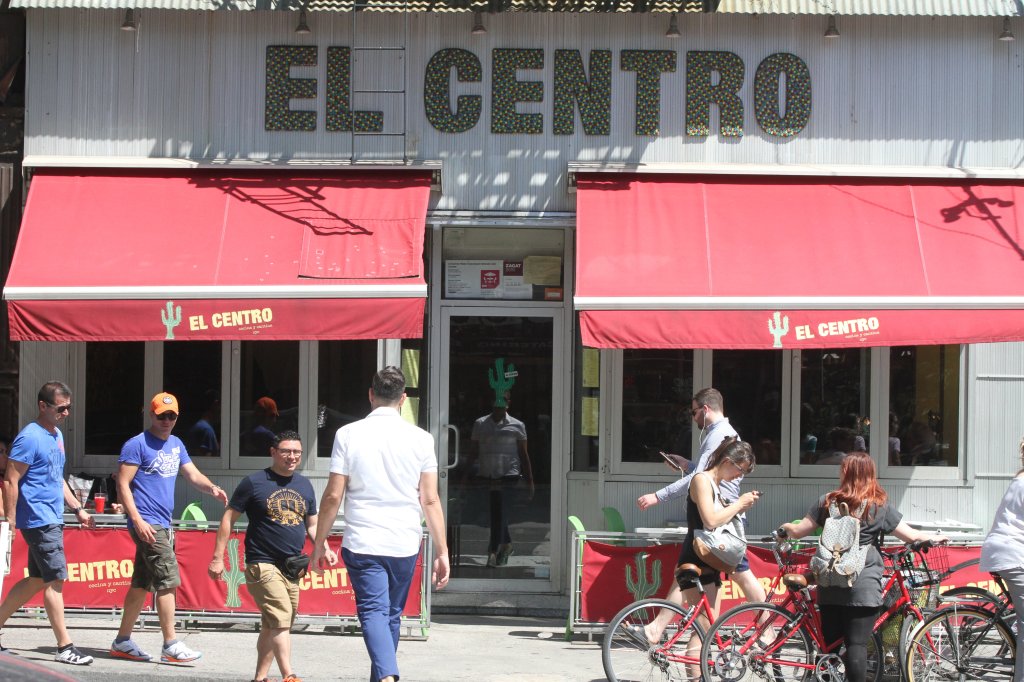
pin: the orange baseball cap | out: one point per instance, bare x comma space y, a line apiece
266, 405
164, 402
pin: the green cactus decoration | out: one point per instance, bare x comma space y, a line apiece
234, 576
641, 587
501, 380
171, 318
778, 328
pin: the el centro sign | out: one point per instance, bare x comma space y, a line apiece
782, 91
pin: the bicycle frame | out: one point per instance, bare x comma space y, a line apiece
702, 607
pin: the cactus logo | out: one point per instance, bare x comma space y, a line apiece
778, 328
234, 576
640, 586
501, 380
171, 318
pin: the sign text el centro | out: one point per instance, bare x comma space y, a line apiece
453, 101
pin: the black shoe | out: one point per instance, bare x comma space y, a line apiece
72, 656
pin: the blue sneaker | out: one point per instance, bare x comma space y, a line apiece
129, 650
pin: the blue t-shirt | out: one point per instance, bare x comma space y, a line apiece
277, 507
41, 489
153, 485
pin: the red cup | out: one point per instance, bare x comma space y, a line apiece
100, 500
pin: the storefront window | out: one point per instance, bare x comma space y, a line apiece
269, 394
415, 407
924, 399
751, 384
586, 423
657, 386
114, 406
834, 394
346, 369
192, 372
503, 263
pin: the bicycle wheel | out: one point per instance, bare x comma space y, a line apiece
961, 643
628, 656
757, 642
882, 661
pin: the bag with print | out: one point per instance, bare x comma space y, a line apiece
721, 548
840, 557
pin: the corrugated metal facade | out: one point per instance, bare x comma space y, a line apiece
904, 91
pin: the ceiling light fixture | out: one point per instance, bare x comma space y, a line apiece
673, 27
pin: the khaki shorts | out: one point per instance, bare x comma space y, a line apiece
156, 567
276, 596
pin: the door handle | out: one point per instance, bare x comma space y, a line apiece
450, 464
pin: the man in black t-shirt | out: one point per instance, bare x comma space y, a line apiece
281, 507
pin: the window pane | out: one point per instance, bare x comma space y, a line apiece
924, 400
416, 375
587, 399
751, 384
346, 369
657, 386
834, 393
114, 403
503, 263
192, 372
269, 394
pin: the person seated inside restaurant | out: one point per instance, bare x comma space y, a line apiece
841, 441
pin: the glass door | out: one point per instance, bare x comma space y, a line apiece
497, 396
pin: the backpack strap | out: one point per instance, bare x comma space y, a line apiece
716, 495
860, 510
833, 510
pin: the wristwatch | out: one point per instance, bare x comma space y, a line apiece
78, 509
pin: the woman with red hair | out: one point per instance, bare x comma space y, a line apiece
850, 612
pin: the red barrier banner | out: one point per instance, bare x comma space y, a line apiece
100, 567
101, 564
613, 576
325, 594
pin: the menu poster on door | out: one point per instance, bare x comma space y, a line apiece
486, 279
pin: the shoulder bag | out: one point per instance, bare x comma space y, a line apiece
721, 548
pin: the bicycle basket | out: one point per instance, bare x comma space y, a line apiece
930, 567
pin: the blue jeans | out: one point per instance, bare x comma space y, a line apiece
381, 585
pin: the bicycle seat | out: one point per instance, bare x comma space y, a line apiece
794, 581
687, 572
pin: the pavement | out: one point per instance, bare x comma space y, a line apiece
501, 648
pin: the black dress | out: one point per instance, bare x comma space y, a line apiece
694, 521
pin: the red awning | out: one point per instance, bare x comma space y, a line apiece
200, 255
673, 261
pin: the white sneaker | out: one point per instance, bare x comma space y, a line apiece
179, 653
72, 656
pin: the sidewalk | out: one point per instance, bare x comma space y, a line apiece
459, 648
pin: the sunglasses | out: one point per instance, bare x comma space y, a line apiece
167, 417
60, 408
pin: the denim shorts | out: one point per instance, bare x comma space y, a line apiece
46, 552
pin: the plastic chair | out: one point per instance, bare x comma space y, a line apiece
577, 525
613, 522
193, 512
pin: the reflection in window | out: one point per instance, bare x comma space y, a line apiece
924, 399
834, 394
346, 370
114, 404
415, 407
269, 394
657, 386
192, 372
751, 384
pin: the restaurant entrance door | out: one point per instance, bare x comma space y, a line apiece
495, 450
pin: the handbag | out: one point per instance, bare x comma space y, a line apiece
721, 548
294, 567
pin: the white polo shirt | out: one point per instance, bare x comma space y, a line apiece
383, 457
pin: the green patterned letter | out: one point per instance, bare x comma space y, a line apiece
649, 65
340, 117
281, 87
767, 86
506, 91
594, 97
700, 93
437, 93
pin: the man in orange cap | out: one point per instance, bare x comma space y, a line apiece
147, 469
257, 441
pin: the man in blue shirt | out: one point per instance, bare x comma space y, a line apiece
146, 473
34, 496
281, 506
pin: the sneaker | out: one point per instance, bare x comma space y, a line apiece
504, 552
292, 678
179, 653
130, 650
492, 560
72, 656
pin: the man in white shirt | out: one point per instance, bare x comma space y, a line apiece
385, 469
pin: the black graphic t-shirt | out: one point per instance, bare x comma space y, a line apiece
277, 507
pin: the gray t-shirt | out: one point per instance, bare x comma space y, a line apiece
867, 591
